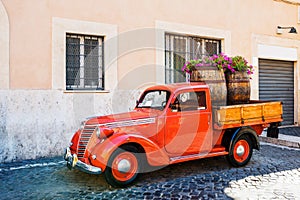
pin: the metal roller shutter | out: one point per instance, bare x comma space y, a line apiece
276, 82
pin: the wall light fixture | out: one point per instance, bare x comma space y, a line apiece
280, 29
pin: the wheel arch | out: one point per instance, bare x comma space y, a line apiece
231, 134
136, 145
154, 155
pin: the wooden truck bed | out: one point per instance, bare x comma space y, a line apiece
256, 112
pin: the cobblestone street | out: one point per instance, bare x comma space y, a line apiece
273, 173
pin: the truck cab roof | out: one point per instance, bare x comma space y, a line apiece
175, 87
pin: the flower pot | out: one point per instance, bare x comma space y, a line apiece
238, 88
215, 79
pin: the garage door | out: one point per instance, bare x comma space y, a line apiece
276, 82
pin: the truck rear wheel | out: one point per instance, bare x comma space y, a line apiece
241, 151
123, 166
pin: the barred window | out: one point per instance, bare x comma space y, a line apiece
179, 49
84, 62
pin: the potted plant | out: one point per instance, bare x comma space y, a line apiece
239, 64
237, 80
206, 70
237, 73
195, 64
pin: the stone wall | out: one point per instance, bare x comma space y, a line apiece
40, 123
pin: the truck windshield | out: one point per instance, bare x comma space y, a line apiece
156, 99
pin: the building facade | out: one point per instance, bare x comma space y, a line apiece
62, 61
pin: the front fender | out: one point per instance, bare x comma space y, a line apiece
101, 153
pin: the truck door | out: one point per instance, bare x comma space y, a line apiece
187, 129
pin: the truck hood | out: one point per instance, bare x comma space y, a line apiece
135, 117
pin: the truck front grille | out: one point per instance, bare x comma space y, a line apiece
84, 139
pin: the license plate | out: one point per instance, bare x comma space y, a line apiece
75, 160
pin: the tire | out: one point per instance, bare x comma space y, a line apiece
240, 152
123, 166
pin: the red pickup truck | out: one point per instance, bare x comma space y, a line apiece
170, 124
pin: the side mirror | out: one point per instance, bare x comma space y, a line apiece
174, 107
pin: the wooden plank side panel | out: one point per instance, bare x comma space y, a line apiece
252, 111
230, 113
248, 113
272, 109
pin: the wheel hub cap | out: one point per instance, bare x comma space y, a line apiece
124, 166
240, 150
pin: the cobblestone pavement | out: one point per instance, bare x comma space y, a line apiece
273, 173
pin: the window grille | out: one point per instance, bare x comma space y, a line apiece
179, 49
84, 62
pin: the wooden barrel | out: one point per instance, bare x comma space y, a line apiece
238, 88
215, 79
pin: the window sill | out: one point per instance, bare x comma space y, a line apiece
86, 91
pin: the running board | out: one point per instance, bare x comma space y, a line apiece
179, 159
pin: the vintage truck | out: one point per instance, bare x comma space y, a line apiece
170, 124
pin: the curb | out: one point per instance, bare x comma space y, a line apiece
280, 142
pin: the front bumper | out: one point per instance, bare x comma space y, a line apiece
73, 162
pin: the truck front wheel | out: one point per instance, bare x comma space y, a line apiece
123, 166
241, 151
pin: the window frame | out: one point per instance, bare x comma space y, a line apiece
82, 86
170, 51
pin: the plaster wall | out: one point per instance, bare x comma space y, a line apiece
31, 27
4, 48
40, 123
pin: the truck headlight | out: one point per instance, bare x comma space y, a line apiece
103, 132
98, 132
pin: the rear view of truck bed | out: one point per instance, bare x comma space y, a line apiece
256, 112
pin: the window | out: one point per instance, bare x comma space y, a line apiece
84, 62
156, 99
190, 101
180, 49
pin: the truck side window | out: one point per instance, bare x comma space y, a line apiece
189, 101
201, 100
